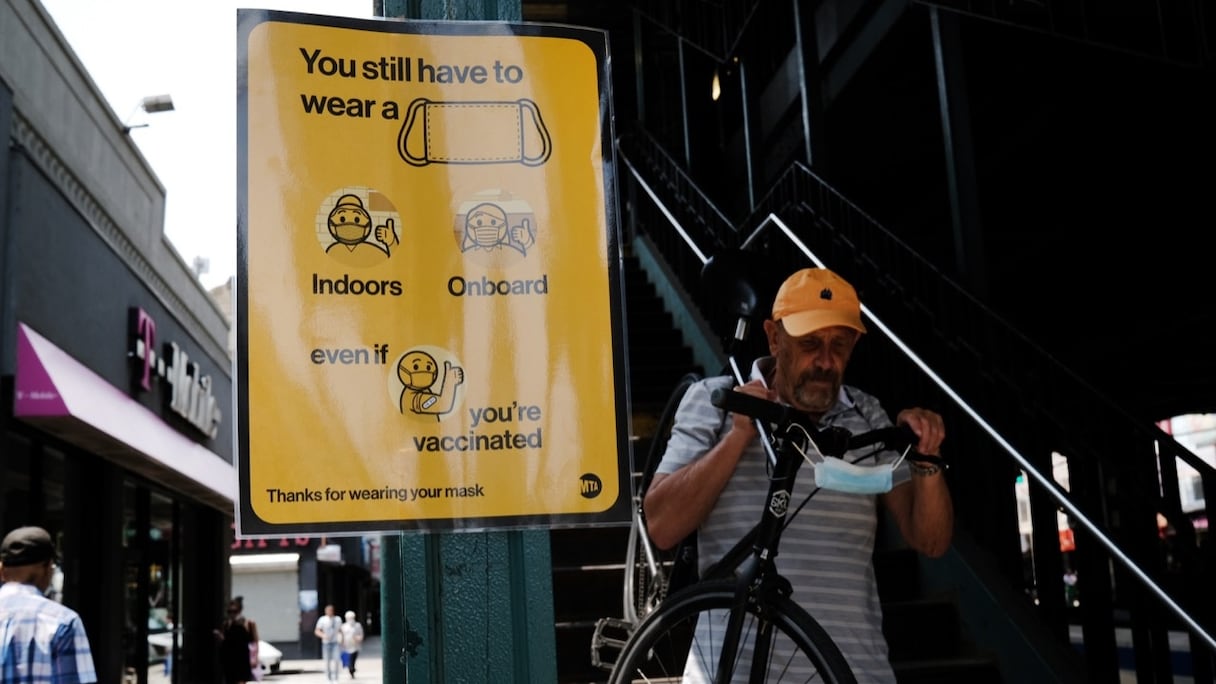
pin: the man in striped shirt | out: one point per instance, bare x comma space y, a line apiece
41, 641
713, 478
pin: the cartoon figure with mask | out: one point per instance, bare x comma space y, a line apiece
418, 372
350, 225
487, 228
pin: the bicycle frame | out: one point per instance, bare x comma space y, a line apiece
638, 536
757, 572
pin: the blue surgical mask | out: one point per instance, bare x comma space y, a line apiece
839, 475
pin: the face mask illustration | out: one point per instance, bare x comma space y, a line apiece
839, 475
474, 132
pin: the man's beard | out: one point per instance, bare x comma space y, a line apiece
810, 393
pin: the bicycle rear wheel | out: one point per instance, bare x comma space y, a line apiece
648, 569
681, 642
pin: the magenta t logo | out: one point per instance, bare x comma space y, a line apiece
145, 330
190, 396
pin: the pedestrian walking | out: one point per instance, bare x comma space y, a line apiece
352, 640
238, 641
44, 641
329, 631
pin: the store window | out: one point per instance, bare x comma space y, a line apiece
162, 572
152, 640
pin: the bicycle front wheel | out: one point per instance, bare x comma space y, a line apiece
682, 642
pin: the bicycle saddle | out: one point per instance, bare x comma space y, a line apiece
737, 288
731, 279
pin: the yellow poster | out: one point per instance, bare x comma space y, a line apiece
428, 293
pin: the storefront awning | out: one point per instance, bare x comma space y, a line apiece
62, 396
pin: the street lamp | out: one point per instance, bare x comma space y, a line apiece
151, 105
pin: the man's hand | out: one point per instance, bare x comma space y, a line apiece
745, 424
928, 426
924, 510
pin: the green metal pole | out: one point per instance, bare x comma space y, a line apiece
466, 606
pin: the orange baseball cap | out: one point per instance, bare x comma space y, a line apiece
815, 298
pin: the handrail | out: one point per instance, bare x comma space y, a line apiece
692, 245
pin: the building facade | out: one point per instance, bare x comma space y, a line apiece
116, 415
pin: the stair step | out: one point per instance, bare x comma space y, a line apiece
957, 670
922, 628
588, 595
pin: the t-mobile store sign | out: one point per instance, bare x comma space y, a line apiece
190, 391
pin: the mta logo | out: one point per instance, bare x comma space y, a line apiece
590, 486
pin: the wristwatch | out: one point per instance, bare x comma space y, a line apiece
927, 470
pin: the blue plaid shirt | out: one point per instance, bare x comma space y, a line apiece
41, 642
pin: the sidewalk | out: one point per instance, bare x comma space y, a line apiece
312, 671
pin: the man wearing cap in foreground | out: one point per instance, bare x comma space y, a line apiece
713, 479
40, 640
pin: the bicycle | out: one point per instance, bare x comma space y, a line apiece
743, 606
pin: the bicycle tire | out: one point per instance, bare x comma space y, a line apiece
661, 646
646, 586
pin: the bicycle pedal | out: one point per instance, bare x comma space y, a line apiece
608, 640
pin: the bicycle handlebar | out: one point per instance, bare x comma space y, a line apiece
755, 407
832, 441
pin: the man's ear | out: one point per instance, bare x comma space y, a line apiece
771, 330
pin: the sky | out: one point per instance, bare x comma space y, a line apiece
186, 49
